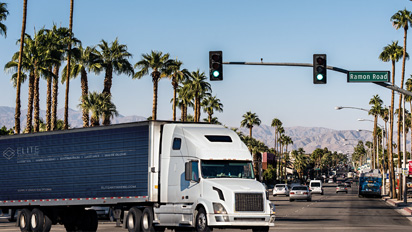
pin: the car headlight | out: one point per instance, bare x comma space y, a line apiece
219, 208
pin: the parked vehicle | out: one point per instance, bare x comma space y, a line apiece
348, 184
370, 184
300, 192
281, 189
315, 186
341, 188
159, 174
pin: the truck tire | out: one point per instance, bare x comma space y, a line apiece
24, 220
201, 221
89, 221
134, 219
36, 220
147, 220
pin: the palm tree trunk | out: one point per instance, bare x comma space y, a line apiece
18, 84
390, 141
30, 103
36, 103
198, 109
399, 146
210, 118
85, 90
54, 97
108, 80
375, 124
174, 83
66, 102
410, 106
155, 85
48, 103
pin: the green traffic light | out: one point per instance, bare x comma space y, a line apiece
216, 73
319, 77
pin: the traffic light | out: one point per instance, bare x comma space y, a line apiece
319, 68
215, 65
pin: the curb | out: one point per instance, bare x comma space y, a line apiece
400, 205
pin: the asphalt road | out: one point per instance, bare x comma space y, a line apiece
328, 212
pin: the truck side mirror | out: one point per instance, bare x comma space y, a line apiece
188, 171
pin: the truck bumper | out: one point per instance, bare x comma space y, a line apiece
243, 220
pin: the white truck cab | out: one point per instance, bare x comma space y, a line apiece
207, 181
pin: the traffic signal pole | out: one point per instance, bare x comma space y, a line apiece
336, 69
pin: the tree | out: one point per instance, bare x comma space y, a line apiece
409, 99
185, 99
159, 63
5, 131
98, 104
66, 102
84, 59
392, 52
210, 104
301, 162
178, 76
375, 110
276, 123
249, 120
201, 88
18, 85
3, 16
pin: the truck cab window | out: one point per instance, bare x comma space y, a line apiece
195, 171
177, 143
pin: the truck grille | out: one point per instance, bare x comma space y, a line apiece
249, 202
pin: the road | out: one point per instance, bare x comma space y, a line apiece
330, 212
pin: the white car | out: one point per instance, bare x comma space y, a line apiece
315, 186
281, 189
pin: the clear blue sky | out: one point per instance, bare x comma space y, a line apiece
352, 33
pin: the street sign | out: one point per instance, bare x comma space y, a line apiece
369, 76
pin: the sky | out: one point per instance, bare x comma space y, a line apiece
352, 33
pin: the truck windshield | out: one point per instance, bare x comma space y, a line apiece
227, 169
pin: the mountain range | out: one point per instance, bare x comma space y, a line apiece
308, 138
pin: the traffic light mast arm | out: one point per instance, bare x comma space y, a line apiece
383, 84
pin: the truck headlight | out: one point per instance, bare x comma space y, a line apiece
219, 208
272, 208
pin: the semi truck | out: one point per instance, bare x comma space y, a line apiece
156, 175
370, 184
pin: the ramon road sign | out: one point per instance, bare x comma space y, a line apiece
369, 76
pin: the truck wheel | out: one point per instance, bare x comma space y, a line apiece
261, 229
201, 221
133, 219
37, 220
24, 220
89, 221
147, 220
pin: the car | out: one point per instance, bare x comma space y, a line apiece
315, 186
330, 181
300, 192
281, 189
341, 188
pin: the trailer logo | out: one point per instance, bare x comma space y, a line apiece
8, 153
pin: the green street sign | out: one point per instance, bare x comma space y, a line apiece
369, 76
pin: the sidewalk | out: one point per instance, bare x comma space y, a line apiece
407, 208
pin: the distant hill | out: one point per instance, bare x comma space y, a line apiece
308, 138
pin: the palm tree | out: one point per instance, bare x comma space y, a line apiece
300, 164
409, 99
98, 104
276, 123
392, 52
84, 59
200, 88
178, 76
69, 48
18, 85
159, 63
210, 104
185, 99
3, 16
376, 103
249, 120
114, 58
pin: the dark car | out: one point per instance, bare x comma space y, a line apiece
348, 184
